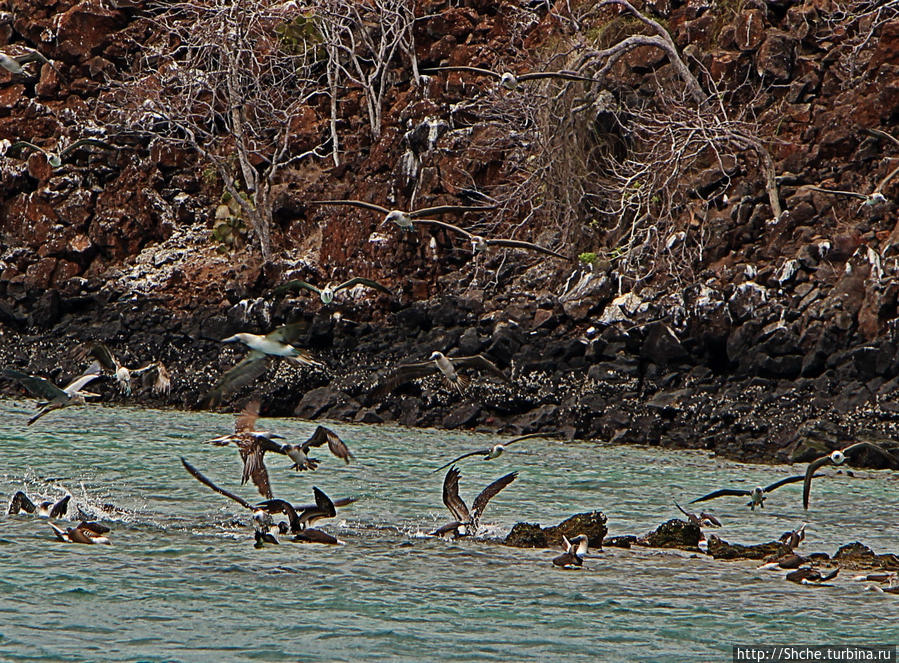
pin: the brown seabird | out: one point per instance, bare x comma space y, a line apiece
573, 557
46, 509
495, 451
102, 353
838, 457
85, 532
466, 522
404, 219
56, 398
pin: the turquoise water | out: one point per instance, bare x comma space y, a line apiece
182, 582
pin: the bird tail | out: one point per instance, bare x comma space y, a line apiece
305, 359
459, 384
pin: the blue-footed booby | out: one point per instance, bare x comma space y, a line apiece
56, 398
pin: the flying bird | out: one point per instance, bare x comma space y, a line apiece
55, 159
404, 219
447, 366
838, 457
56, 398
702, 520
276, 343
510, 81
46, 509
299, 453
489, 453
466, 522
327, 293
480, 243
573, 557
102, 353
16, 63
756, 496
85, 532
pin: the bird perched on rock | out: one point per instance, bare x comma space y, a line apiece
573, 557
123, 374
86, 532
56, 398
756, 496
793, 538
45, 509
838, 457
405, 219
466, 522
328, 293
447, 366
277, 343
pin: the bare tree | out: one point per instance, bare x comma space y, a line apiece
362, 39
227, 81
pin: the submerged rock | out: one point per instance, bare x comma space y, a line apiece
625, 541
860, 557
529, 535
673, 534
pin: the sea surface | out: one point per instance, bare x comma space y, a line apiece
182, 580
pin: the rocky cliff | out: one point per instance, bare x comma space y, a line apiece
731, 325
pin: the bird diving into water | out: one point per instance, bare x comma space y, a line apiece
495, 451
45, 509
330, 290
756, 496
123, 374
466, 522
56, 398
447, 366
276, 343
300, 518
838, 457
253, 445
510, 81
405, 219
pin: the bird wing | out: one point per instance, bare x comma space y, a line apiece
23, 144
809, 475
474, 70
521, 244
343, 501
404, 373
92, 528
481, 452
163, 383
61, 507
358, 280
480, 502
254, 469
312, 535
337, 446
451, 496
784, 482
324, 508
479, 362
721, 493
10, 64
86, 141
40, 387
449, 209
275, 506
221, 491
446, 226
530, 436
93, 371
246, 420
286, 333
102, 353
295, 286
565, 75
854, 194
853, 449
244, 372
354, 203
20, 502
886, 180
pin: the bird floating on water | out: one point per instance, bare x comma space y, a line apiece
466, 522
123, 374
479, 243
45, 509
495, 451
327, 293
806, 575
510, 81
838, 457
573, 557
405, 219
757, 495
277, 343
56, 398
447, 366
85, 532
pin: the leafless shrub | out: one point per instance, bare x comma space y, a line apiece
227, 80
854, 24
361, 40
